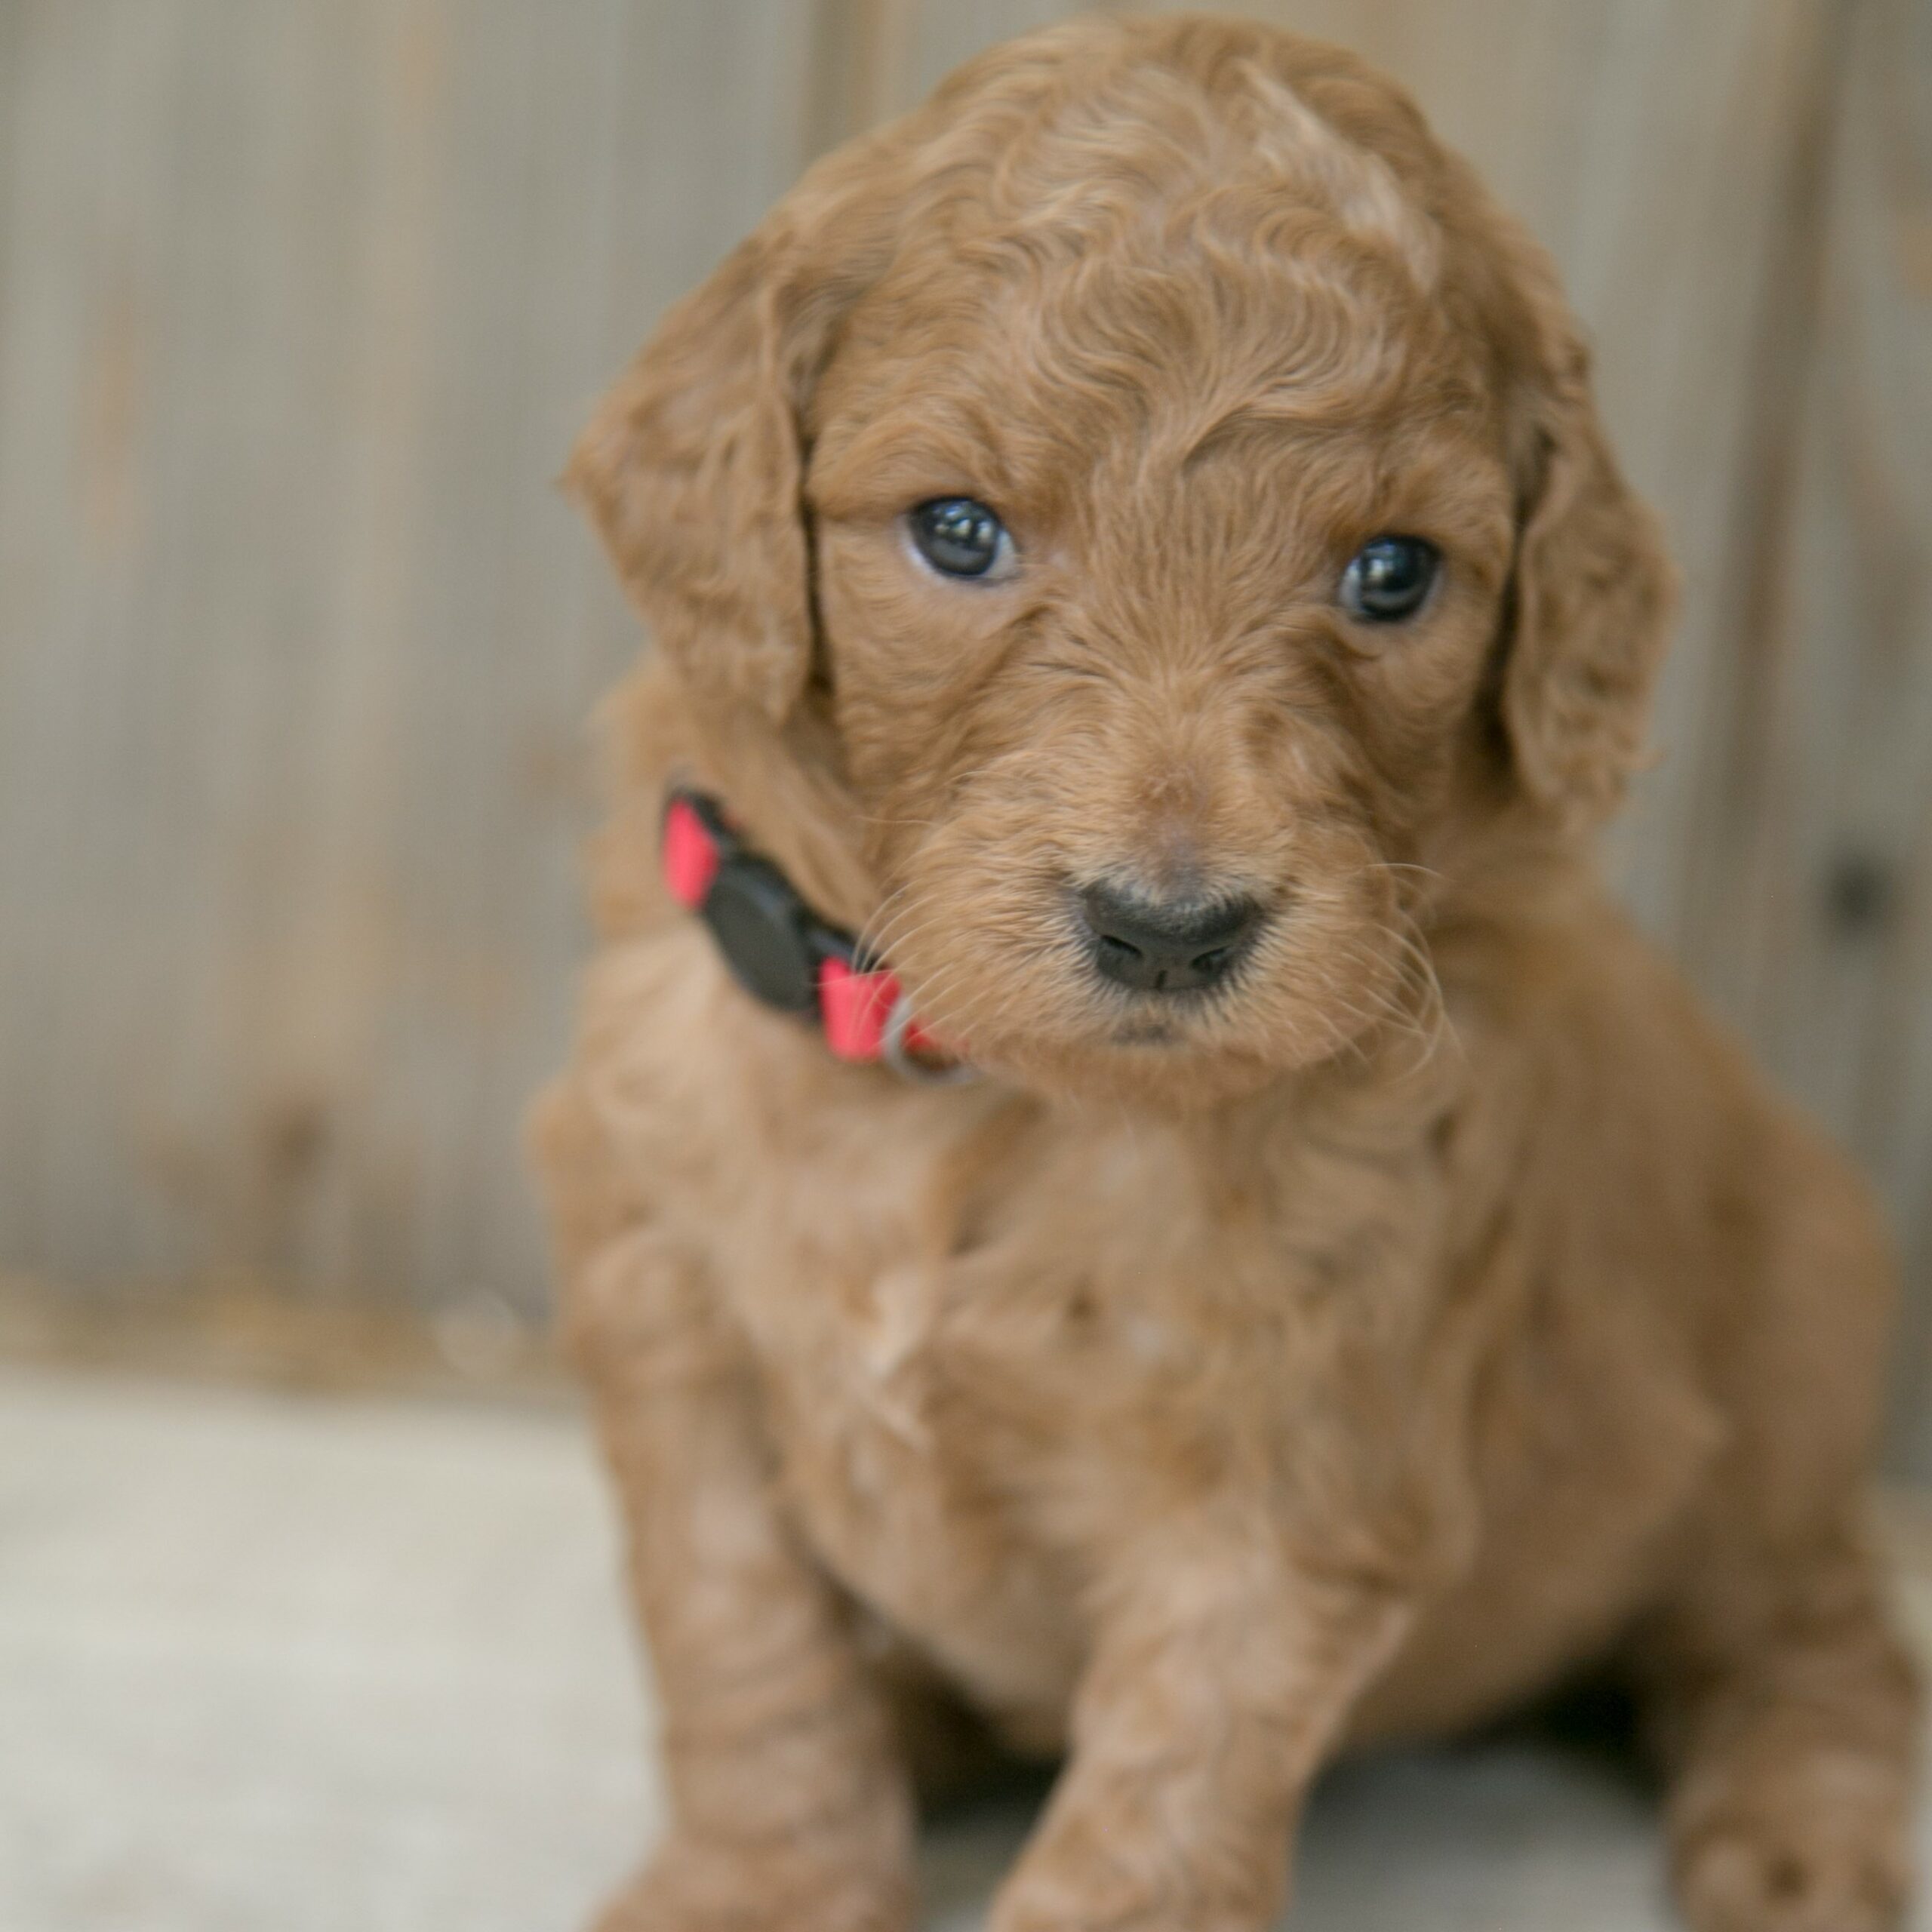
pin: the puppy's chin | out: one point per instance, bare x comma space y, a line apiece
1147, 1061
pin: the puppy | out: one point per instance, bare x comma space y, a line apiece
1149, 619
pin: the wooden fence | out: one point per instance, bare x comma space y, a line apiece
301, 304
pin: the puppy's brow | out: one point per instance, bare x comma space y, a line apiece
891, 463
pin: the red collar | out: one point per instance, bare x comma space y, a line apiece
783, 954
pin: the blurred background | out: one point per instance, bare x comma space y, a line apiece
301, 304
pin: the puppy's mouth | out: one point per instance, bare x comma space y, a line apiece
1147, 1033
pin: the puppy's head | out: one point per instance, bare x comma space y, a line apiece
1159, 498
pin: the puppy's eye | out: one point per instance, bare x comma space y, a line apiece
959, 537
1389, 579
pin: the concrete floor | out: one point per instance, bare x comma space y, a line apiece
277, 1664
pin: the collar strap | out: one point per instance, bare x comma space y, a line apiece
782, 953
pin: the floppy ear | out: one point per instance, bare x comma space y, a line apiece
692, 472
1593, 590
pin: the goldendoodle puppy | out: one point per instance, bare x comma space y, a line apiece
1147, 619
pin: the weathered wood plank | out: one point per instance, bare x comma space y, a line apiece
303, 306
1819, 834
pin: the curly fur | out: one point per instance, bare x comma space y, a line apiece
1439, 1308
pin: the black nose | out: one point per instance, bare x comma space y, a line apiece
1158, 946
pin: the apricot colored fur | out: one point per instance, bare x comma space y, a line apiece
1439, 1306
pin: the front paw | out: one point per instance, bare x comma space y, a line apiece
692, 1886
1796, 1861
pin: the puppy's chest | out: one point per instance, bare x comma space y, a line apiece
931, 1289
977, 1352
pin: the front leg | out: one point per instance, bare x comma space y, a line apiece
1220, 1679
788, 1807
